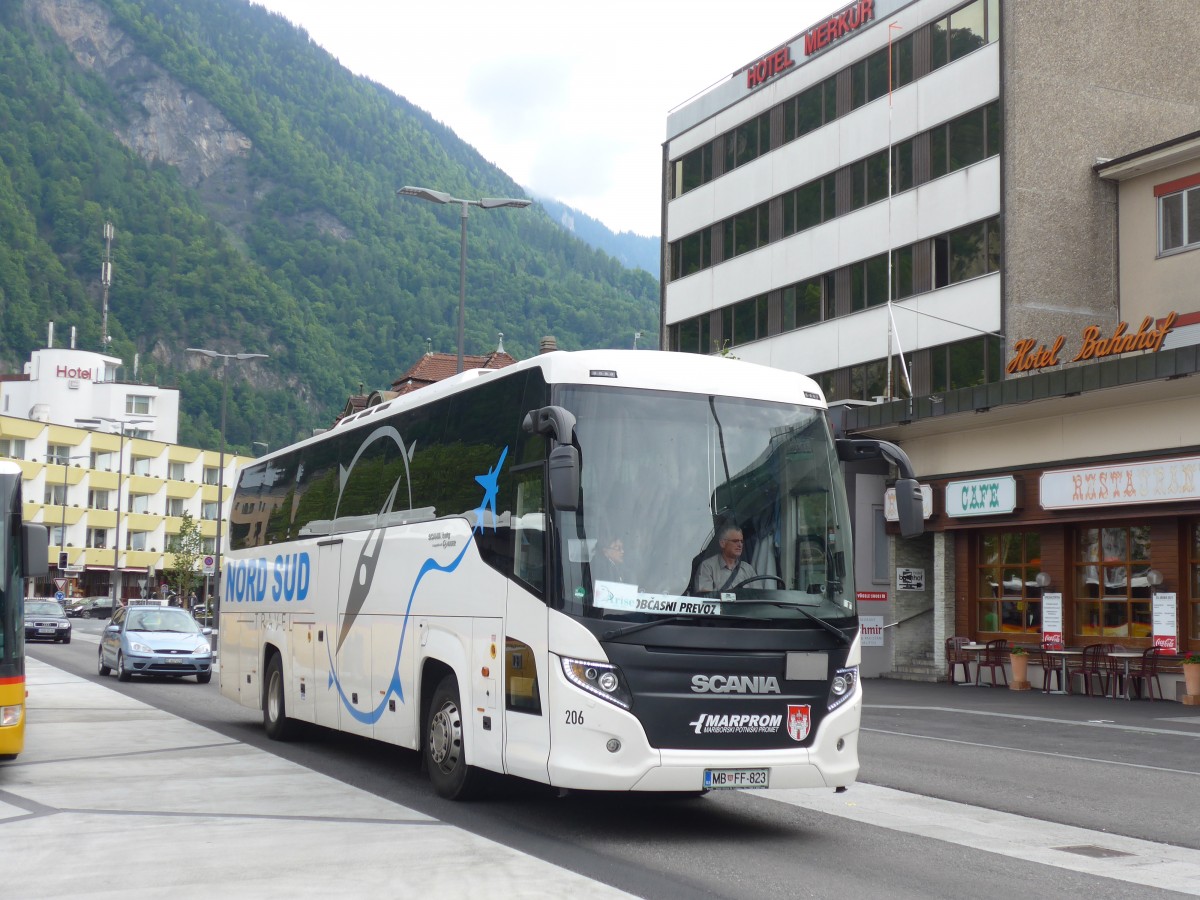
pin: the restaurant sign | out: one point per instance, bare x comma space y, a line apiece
1029, 357
1120, 484
891, 514
981, 496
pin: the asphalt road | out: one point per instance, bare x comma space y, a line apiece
963, 792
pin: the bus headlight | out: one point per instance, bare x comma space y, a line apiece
599, 679
841, 688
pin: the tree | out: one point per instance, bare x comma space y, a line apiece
185, 549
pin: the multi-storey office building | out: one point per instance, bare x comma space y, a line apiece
960, 161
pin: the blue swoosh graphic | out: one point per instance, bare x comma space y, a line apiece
370, 717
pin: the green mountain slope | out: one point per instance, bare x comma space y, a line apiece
251, 181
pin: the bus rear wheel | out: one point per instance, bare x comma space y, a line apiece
445, 745
274, 705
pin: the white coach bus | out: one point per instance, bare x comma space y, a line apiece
443, 572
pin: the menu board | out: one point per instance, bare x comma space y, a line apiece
1052, 629
1165, 624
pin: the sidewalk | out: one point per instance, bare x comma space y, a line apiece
114, 797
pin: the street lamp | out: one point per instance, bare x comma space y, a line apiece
225, 358
486, 203
121, 424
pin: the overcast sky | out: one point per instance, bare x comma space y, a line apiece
570, 99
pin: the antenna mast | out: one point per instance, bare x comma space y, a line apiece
106, 281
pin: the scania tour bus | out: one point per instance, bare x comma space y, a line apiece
431, 573
23, 554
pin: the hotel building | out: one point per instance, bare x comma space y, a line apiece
973, 224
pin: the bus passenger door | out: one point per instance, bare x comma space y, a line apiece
352, 641
526, 626
327, 588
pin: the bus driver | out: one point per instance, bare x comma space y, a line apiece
725, 569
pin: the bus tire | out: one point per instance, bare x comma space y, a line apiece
123, 674
445, 745
275, 720
101, 667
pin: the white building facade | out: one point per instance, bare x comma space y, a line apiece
956, 216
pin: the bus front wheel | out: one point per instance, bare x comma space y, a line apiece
275, 720
445, 748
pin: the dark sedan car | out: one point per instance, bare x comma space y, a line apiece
46, 621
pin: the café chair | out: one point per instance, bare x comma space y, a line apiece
1146, 671
994, 657
1051, 666
1092, 667
1115, 678
957, 656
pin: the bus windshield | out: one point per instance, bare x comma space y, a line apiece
704, 508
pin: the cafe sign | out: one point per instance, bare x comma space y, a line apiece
981, 497
1029, 357
1120, 484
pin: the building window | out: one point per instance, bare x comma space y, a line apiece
744, 322
1179, 220
55, 495
97, 538
802, 304
139, 465
209, 511
139, 503
58, 454
692, 335
691, 254
98, 499
211, 474
102, 460
175, 506
1111, 589
1193, 630
1010, 600
176, 471
746, 231
748, 141
137, 405
209, 545
693, 170
967, 363
135, 540
13, 448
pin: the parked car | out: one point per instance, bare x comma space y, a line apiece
98, 608
46, 621
147, 639
74, 607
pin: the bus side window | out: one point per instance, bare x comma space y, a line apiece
529, 529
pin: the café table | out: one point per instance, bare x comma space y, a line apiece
976, 649
1125, 656
1064, 655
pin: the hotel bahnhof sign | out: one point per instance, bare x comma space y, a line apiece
1029, 357
981, 496
1118, 484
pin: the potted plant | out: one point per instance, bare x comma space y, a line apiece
1019, 657
1191, 675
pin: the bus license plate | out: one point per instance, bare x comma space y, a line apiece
715, 779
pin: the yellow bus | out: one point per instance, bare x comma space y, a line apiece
23, 554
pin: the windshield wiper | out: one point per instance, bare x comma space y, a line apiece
800, 608
638, 626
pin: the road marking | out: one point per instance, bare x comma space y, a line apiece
1139, 862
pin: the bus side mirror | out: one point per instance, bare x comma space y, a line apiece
35, 550
910, 507
564, 478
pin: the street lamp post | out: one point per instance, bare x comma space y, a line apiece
121, 424
486, 203
225, 358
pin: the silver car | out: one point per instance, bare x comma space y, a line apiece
155, 640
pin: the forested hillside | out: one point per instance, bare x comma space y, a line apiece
251, 181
